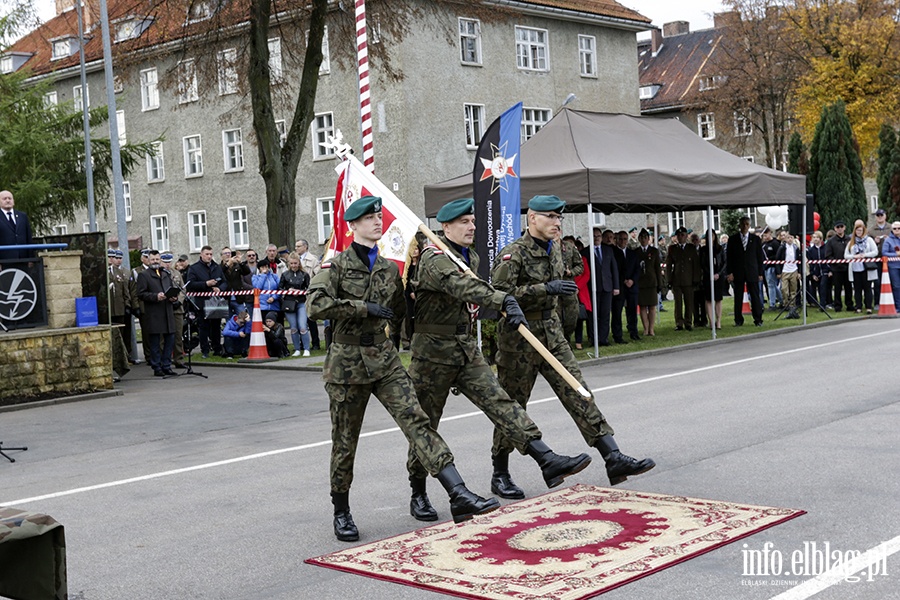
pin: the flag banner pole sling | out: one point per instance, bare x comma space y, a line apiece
400, 224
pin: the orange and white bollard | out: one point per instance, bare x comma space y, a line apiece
886, 306
258, 352
745, 309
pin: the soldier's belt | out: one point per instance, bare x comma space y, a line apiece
366, 339
435, 329
539, 315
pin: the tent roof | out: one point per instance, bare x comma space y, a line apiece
622, 163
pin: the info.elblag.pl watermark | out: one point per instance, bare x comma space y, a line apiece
770, 566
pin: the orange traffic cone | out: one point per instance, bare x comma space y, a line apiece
886, 306
258, 352
745, 309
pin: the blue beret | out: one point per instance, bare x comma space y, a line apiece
110, 252
166, 257
364, 206
455, 209
120, 254
547, 203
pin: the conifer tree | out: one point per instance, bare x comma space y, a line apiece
887, 143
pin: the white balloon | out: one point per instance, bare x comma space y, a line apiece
774, 221
763, 210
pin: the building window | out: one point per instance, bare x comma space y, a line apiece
200, 10
676, 220
754, 218
238, 232
156, 168
159, 225
126, 194
51, 99
6, 64
531, 49
85, 228
193, 156
275, 71
80, 99
532, 121
62, 48
474, 121
281, 127
648, 92
325, 67
197, 233
130, 29
325, 217
470, 41
120, 126
233, 149
742, 125
598, 219
149, 90
710, 82
587, 55
323, 128
706, 126
227, 71
717, 220
187, 82
61, 229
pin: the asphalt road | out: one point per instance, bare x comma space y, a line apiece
218, 488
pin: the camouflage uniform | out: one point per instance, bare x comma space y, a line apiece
445, 354
522, 270
568, 305
362, 361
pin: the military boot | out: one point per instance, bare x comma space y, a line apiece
464, 504
620, 466
419, 505
344, 528
555, 467
501, 482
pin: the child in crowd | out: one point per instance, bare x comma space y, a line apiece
276, 341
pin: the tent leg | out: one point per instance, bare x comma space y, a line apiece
710, 244
593, 282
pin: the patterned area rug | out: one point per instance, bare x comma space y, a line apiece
565, 545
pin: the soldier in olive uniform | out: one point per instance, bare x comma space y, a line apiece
177, 281
683, 274
360, 292
568, 304
531, 269
121, 300
445, 354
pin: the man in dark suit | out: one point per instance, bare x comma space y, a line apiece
152, 285
606, 274
629, 266
683, 274
206, 275
15, 229
745, 266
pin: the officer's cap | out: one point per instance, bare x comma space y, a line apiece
145, 252
120, 254
362, 207
110, 252
680, 230
453, 210
166, 257
644, 233
547, 203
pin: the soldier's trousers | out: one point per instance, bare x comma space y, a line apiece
395, 391
477, 382
517, 373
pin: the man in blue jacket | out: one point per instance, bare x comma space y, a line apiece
237, 334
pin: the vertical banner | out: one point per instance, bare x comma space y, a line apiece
498, 205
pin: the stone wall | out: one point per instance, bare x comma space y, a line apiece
62, 280
51, 363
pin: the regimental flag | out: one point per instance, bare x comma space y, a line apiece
496, 183
400, 223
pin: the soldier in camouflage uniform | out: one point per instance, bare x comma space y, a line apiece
568, 304
360, 292
445, 354
531, 269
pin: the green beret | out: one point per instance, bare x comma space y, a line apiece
454, 210
547, 203
362, 207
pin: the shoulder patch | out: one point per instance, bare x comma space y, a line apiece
507, 256
326, 265
433, 248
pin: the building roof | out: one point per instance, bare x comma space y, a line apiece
170, 18
677, 68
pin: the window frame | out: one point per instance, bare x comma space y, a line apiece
162, 219
676, 219
126, 196
149, 90
707, 119
120, 126
466, 35
226, 71
51, 98
186, 83
530, 59
233, 242
321, 214
187, 154
226, 145
282, 131
531, 123
591, 52
160, 160
325, 67
320, 152
54, 44
203, 235
276, 65
717, 221
742, 125
78, 98
7, 64
470, 124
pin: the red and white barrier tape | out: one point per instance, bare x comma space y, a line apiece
247, 292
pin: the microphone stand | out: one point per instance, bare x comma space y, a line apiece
190, 334
6, 456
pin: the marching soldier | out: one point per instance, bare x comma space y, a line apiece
445, 354
360, 292
531, 269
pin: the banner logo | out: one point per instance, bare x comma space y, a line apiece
18, 294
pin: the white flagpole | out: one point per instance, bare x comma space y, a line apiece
365, 108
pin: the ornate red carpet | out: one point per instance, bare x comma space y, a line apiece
570, 544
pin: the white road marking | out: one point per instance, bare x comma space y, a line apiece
238, 459
866, 561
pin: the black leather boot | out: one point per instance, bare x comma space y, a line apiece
555, 467
419, 505
620, 466
344, 528
501, 481
464, 504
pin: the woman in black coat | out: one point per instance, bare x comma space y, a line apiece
719, 272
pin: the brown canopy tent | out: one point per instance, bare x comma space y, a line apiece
621, 163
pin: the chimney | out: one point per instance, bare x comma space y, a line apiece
656, 41
726, 19
676, 28
90, 11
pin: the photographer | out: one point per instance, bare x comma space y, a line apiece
237, 335
234, 270
295, 278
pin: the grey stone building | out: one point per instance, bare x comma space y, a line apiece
460, 73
